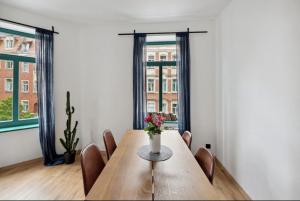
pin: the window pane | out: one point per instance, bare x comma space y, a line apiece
152, 76
17, 45
6, 91
170, 95
27, 91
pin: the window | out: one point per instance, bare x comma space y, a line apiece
25, 67
174, 85
174, 108
163, 57
9, 42
165, 85
9, 64
25, 86
25, 105
8, 84
150, 58
25, 47
165, 107
173, 57
151, 85
159, 75
18, 102
151, 106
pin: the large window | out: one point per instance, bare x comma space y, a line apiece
18, 83
161, 75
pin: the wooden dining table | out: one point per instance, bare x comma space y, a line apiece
126, 176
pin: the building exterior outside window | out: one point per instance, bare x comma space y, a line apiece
150, 85
161, 62
25, 67
151, 58
25, 105
25, 86
174, 85
150, 106
17, 71
9, 64
174, 108
8, 84
165, 85
9, 42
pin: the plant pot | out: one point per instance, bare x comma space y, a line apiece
155, 143
69, 157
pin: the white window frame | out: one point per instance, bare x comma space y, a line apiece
12, 84
163, 54
9, 62
154, 105
167, 88
25, 47
153, 85
22, 86
166, 103
24, 68
22, 103
176, 85
9, 38
152, 56
174, 102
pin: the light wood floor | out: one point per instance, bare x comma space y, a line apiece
33, 181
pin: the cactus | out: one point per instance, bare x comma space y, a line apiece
70, 143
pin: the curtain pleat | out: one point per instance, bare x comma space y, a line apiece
44, 68
183, 75
139, 81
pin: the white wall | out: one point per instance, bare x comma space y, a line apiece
106, 69
259, 92
24, 145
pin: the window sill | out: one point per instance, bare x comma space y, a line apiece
17, 128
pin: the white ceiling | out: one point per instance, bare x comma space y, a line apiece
85, 11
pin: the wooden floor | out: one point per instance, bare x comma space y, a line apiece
33, 181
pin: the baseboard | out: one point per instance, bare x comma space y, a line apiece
240, 189
37, 160
24, 163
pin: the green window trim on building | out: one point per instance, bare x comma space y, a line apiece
16, 123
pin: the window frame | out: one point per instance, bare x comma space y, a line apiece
22, 84
153, 85
16, 123
11, 64
22, 101
5, 85
28, 67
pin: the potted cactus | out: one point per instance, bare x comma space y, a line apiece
70, 142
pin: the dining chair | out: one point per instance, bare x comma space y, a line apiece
206, 160
92, 165
109, 142
187, 137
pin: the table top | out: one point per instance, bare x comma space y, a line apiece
127, 176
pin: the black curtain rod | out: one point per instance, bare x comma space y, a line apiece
26, 25
160, 33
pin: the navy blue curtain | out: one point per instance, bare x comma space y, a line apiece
139, 95
183, 76
44, 68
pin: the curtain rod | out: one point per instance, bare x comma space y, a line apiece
26, 25
160, 33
